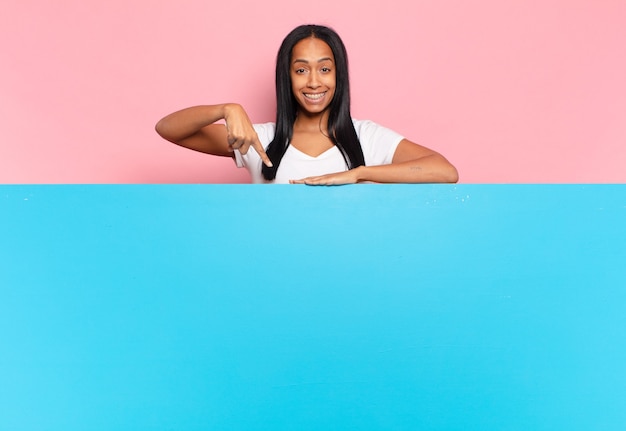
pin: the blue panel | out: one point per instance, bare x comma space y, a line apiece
242, 307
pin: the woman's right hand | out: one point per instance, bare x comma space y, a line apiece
241, 133
195, 128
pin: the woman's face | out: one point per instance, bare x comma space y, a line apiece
312, 75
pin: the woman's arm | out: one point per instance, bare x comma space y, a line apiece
412, 163
194, 128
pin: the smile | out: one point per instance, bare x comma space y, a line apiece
314, 96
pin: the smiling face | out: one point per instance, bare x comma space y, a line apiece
312, 74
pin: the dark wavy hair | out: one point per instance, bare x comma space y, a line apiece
340, 126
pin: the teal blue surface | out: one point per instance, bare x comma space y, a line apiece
370, 307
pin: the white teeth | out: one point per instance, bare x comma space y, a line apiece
314, 96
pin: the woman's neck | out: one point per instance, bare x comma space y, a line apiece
308, 123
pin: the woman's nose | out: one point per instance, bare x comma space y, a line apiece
313, 80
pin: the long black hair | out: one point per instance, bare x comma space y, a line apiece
340, 126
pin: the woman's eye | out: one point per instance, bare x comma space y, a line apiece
325, 69
300, 71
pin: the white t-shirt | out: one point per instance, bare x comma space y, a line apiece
378, 143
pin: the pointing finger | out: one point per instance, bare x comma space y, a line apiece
258, 147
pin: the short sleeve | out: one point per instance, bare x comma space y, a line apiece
378, 143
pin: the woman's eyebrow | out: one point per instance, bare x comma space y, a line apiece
302, 60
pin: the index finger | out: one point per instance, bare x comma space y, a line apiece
258, 147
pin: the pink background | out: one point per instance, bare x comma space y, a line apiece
524, 91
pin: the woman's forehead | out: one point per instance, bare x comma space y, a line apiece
311, 48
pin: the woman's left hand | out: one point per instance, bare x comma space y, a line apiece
336, 179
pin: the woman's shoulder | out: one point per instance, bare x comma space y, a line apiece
377, 142
363, 123
368, 129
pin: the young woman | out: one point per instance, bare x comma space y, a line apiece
314, 140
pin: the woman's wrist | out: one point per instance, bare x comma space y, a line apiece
229, 108
361, 173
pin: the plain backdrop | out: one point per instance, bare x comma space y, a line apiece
519, 91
